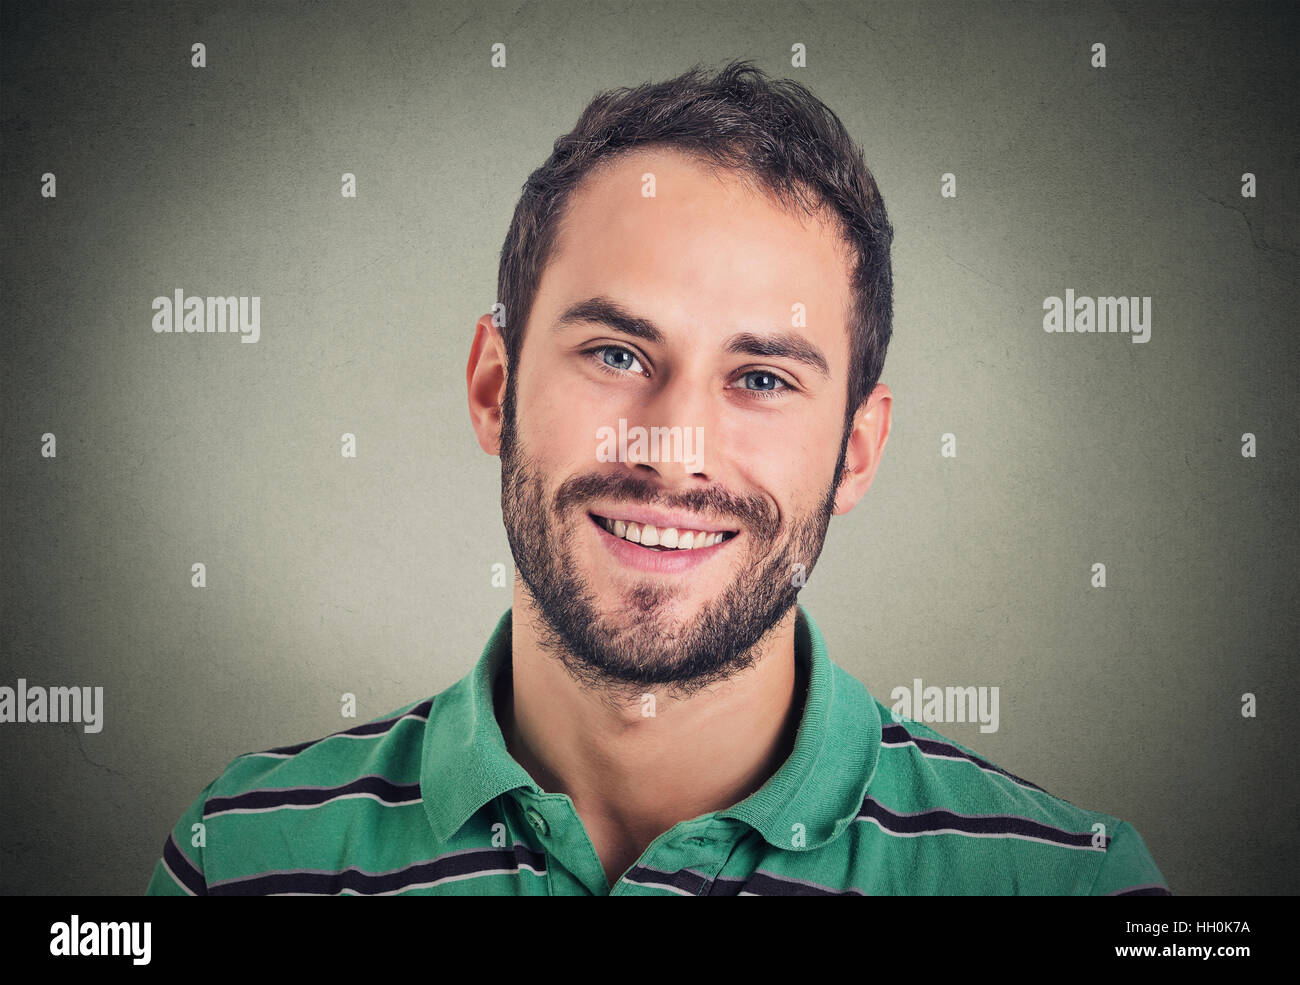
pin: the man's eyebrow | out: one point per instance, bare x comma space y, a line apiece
781, 345
607, 312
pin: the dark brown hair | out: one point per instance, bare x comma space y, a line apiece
770, 131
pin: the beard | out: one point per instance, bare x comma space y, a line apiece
635, 644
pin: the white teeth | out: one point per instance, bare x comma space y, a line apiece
648, 535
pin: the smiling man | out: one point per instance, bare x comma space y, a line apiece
660, 582
704, 261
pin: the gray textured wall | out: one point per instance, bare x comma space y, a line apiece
329, 575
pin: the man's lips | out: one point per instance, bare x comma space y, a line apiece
661, 538
659, 530
656, 559
658, 518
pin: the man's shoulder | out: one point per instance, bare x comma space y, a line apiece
324, 803
928, 790
920, 769
387, 748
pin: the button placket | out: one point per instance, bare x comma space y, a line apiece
564, 840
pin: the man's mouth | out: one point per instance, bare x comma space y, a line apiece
662, 538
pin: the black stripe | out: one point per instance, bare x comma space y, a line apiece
978, 824
369, 728
896, 735
313, 796
1143, 891
725, 887
766, 884
691, 882
185, 870
333, 883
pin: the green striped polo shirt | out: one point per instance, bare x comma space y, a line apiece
428, 800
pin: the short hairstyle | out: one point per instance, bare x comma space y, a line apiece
770, 131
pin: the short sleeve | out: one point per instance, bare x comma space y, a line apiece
179, 871
1128, 868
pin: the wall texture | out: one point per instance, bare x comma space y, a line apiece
371, 575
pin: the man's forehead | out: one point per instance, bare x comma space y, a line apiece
682, 177
687, 244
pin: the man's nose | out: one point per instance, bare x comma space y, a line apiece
678, 417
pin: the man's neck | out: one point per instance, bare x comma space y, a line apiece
632, 775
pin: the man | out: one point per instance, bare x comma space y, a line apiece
682, 385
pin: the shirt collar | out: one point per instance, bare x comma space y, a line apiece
466, 763
809, 801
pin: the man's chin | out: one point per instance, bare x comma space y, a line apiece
645, 630
665, 601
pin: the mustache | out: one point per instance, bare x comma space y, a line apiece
754, 512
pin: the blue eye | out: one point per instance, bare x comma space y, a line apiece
621, 358
617, 359
770, 381
768, 386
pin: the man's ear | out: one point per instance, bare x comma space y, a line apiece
485, 378
865, 446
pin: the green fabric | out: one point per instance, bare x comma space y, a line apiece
863, 805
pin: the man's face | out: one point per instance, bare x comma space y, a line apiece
714, 274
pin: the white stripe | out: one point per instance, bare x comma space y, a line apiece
467, 875
658, 885
792, 881
337, 735
308, 807
972, 834
425, 885
1024, 784
188, 891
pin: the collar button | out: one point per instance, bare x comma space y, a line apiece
536, 820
